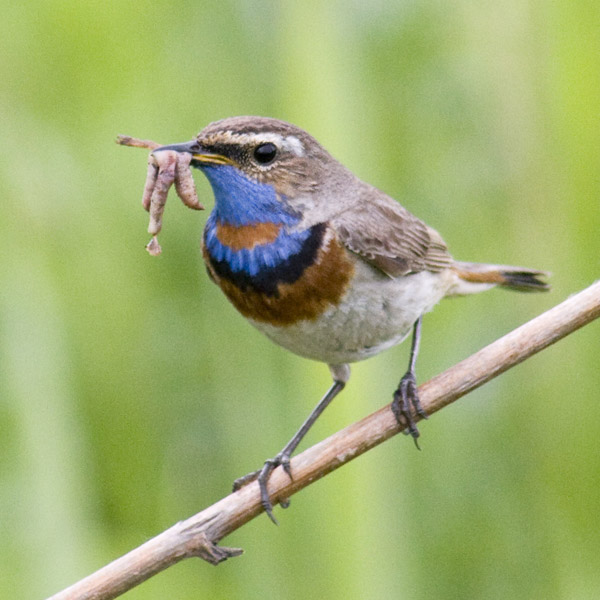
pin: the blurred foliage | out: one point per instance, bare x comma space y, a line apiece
132, 394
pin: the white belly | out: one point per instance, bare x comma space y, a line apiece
376, 313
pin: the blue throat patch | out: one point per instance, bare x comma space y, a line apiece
240, 201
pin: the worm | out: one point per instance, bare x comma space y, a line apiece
165, 168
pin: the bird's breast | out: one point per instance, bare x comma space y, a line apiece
276, 276
247, 236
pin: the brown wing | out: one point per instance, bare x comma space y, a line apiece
391, 238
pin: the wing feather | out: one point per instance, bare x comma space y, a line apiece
391, 238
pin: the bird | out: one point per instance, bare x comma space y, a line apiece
321, 262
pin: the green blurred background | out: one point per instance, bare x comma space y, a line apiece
132, 394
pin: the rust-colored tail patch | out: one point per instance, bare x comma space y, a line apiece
516, 278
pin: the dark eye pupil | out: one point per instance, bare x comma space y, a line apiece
265, 153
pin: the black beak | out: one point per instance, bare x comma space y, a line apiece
200, 154
192, 147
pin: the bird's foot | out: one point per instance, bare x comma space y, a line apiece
263, 475
406, 400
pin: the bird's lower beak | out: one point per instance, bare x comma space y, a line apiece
199, 153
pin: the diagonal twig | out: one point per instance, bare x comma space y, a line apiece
198, 535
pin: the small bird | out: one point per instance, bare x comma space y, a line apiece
321, 262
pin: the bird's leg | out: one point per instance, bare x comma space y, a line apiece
283, 458
406, 397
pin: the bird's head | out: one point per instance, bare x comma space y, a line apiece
261, 169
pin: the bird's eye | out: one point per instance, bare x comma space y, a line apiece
265, 153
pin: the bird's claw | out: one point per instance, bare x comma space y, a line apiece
262, 476
241, 482
406, 400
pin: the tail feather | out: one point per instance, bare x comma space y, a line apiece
515, 278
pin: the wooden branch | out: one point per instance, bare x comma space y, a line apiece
198, 535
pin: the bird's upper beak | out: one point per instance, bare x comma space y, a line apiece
199, 153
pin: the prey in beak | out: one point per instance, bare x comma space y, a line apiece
199, 154
168, 165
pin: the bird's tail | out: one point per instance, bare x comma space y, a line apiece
476, 277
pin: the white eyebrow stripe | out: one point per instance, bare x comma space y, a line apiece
290, 143
294, 145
